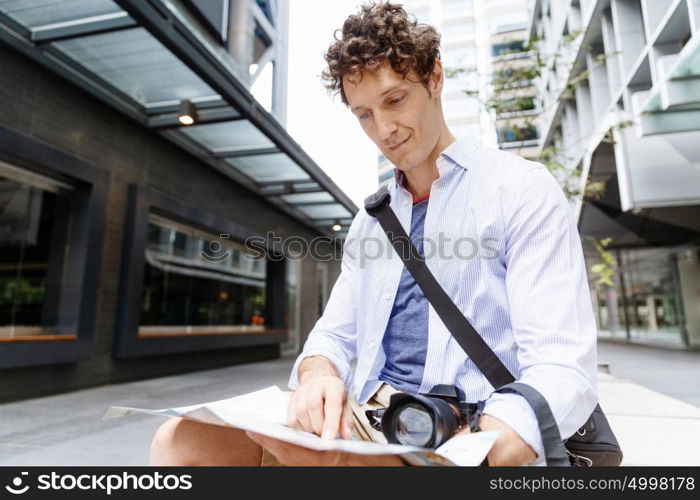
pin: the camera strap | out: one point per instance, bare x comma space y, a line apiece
377, 205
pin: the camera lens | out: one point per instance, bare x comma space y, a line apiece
414, 425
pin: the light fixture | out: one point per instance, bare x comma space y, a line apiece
337, 227
186, 114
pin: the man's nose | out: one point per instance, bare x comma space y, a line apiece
386, 126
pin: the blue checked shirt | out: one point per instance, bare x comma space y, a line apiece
500, 237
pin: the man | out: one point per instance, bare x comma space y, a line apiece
521, 279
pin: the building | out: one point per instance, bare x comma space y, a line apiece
508, 88
621, 101
136, 172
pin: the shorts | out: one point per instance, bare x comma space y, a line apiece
361, 428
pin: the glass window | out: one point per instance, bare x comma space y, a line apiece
197, 282
229, 136
507, 48
137, 64
644, 302
331, 211
514, 76
307, 197
269, 167
517, 134
652, 300
515, 105
37, 13
35, 221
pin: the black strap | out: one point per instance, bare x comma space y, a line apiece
461, 329
467, 337
554, 450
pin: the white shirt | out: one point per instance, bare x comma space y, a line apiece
506, 249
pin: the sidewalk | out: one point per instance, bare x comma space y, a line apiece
653, 428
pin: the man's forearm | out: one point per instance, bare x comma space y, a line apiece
509, 448
314, 366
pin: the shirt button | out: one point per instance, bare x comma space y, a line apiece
387, 296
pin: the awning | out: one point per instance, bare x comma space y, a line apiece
144, 58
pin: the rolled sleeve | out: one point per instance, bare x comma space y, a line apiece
516, 413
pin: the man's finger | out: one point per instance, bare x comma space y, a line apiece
303, 419
346, 423
314, 412
332, 411
291, 415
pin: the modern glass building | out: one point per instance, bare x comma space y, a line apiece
136, 168
621, 92
509, 90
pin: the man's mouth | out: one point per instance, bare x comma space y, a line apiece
394, 148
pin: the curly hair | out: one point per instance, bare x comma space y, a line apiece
378, 33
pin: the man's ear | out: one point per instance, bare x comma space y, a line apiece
437, 79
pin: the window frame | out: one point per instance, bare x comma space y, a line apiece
142, 202
88, 208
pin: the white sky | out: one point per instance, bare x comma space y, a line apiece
321, 124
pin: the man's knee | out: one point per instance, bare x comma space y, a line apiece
181, 441
169, 445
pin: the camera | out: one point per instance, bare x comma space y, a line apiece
425, 420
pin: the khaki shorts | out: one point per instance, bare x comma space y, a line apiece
361, 429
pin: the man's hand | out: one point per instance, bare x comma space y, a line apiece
320, 404
291, 454
509, 448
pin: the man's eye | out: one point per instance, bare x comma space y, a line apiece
364, 116
397, 100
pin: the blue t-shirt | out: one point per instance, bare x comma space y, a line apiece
405, 340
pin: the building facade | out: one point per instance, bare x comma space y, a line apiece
140, 182
509, 92
621, 106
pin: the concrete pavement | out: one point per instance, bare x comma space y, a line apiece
653, 428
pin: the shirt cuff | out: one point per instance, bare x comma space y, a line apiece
516, 412
342, 367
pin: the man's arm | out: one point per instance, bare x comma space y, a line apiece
551, 314
334, 334
321, 374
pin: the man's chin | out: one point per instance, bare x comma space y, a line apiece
402, 162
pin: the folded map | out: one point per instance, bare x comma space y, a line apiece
265, 412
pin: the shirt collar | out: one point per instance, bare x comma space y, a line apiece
459, 153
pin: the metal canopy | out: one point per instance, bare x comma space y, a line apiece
144, 58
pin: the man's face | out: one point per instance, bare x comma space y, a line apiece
398, 114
